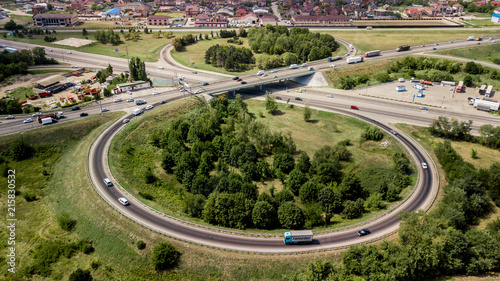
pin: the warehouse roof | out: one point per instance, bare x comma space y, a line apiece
51, 80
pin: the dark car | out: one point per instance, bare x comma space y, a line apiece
75, 108
205, 84
278, 98
299, 99
239, 79
364, 232
163, 102
236, 78
243, 82
83, 114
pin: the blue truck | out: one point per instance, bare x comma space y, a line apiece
298, 237
330, 59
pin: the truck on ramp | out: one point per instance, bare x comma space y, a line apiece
298, 237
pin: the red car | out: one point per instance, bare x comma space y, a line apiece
239, 79
354, 107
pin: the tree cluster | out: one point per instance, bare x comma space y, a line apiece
132, 34
18, 62
180, 42
137, 69
490, 136
442, 242
451, 128
278, 40
107, 36
229, 57
218, 153
425, 68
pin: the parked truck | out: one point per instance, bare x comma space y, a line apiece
330, 59
354, 59
298, 237
486, 105
402, 48
372, 53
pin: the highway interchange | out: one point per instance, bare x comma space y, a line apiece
375, 111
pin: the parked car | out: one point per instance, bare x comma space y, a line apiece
83, 114
364, 232
75, 108
304, 65
129, 92
123, 201
275, 76
239, 79
29, 120
9, 117
50, 50
182, 89
332, 65
161, 67
243, 82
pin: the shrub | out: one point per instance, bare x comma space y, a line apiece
65, 222
165, 256
372, 133
141, 245
146, 196
29, 196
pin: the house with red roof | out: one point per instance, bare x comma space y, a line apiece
241, 12
412, 12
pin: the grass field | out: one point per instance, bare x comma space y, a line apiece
370, 67
483, 22
412, 23
368, 40
196, 53
482, 53
45, 71
326, 129
171, 15
147, 48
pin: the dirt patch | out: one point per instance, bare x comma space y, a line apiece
74, 42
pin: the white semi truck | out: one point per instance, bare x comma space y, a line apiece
355, 59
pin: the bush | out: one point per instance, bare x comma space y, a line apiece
372, 133
141, 245
80, 275
165, 256
29, 196
65, 222
146, 196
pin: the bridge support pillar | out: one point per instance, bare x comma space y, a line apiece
234, 93
260, 87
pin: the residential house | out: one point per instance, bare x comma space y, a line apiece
240, 12
136, 7
495, 18
191, 11
112, 13
412, 12
333, 11
44, 20
158, 20
39, 7
262, 3
458, 9
60, 6
359, 13
430, 12
167, 9
77, 4
287, 3
225, 12
269, 19
202, 18
248, 20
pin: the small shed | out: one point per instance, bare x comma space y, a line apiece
400, 88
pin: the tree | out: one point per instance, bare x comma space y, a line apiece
80, 275
473, 153
295, 180
351, 187
283, 196
291, 216
307, 113
263, 215
468, 81
21, 150
271, 104
284, 162
330, 201
11, 25
137, 69
165, 256
194, 204
309, 191
106, 92
84, 32
353, 209
303, 163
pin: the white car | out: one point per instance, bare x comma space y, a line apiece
265, 74
493, 41
332, 65
197, 92
126, 121
123, 201
29, 120
149, 107
156, 93
74, 66
329, 96
394, 132
273, 71
424, 165
69, 52
36, 114
117, 100
161, 67
9, 117
129, 92
50, 50
182, 90
104, 110
304, 65
130, 100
